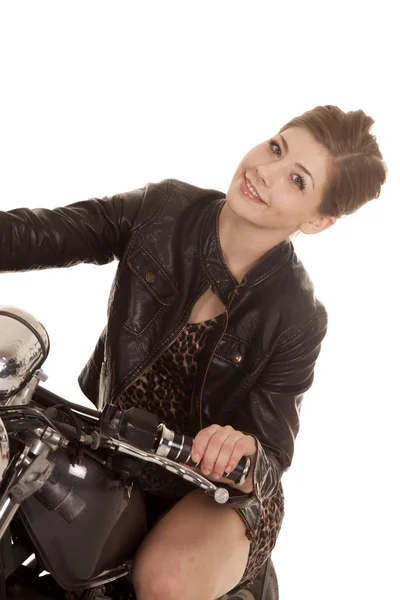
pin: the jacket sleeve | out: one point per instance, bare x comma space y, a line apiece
270, 412
91, 231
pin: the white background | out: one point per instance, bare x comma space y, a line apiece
103, 97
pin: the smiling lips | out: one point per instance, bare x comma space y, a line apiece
250, 191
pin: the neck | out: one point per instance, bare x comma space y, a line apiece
242, 243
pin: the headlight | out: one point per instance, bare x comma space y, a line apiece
24, 346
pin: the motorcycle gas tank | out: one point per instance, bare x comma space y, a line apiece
95, 545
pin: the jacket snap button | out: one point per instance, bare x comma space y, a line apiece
236, 358
150, 277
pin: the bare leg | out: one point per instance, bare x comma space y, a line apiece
197, 551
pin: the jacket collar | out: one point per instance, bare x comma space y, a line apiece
215, 268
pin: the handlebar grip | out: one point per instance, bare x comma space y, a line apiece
142, 429
178, 447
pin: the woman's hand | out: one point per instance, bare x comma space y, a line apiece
220, 449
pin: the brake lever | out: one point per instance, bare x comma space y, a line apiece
220, 494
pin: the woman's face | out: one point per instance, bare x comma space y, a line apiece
288, 172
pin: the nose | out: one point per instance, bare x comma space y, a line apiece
263, 177
268, 174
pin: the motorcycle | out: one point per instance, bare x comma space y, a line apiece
66, 473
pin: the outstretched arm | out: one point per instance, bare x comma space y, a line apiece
91, 231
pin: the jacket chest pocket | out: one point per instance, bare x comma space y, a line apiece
242, 357
143, 293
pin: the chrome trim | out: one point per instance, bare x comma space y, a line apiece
24, 346
4, 450
166, 440
180, 448
8, 508
178, 469
246, 470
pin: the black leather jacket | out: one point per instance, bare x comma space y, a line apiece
259, 360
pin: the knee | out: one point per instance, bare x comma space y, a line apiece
158, 574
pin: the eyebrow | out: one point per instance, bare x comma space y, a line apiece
297, 164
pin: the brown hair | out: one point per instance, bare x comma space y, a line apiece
357, 169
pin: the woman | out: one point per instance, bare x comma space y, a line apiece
213, 325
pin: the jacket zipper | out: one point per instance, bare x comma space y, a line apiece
235, 291
203, 291
206, 371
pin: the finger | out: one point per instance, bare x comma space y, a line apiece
213, 449
224, 458
244, 446
200, 442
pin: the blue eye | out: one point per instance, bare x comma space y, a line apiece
300, 181
272, 143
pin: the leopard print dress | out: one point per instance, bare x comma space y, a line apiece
165, 389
